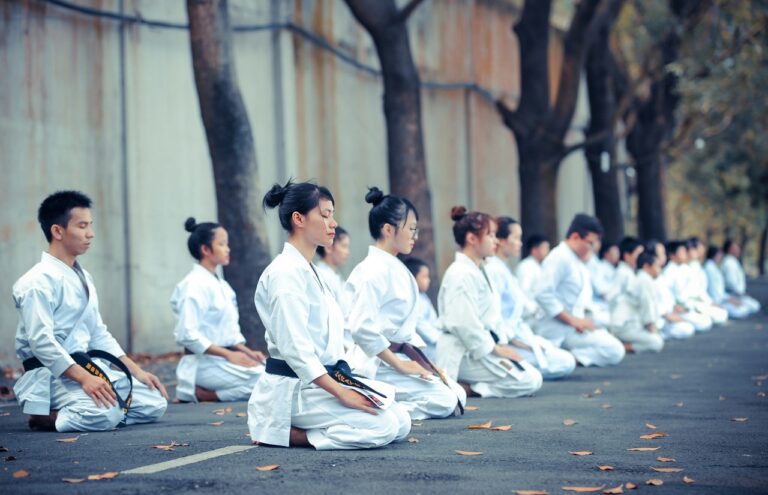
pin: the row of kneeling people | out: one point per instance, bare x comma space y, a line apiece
352, 362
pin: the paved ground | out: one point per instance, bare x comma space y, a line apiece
692, 391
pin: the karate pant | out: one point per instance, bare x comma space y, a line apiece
333, 426
702, 323
213, 374
751, 303
737, 312
676, 330
422, 399
557, 363
591, 348
78, 412
717, 314
515, 383
641, 340
601, 312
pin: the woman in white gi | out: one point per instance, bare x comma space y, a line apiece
59, 316
716, 285
566, 293
473, 348
382, 296
675, 275
427, 323
301, 404
333, 258
552, 361
217, 365
672, 323
735, 279
635, 310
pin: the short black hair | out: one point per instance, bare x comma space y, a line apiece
646, 258
583, 225
628, 245
415, 264
56, 209
727, 245
503, 226
712, 252
533, 241
339, 234
605, 247
673, 246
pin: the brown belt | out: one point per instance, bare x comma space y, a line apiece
187, 352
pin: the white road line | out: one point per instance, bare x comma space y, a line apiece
190, 459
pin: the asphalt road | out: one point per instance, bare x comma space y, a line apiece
692, 391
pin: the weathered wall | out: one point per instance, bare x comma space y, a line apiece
113, 111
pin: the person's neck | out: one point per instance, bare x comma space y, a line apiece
473, 255
387, 246
328, 261
501, 256
208, 265
306, 248
57, 251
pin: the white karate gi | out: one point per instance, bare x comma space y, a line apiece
551, 361
697, 293
335, 283
736, 282
57, 318
567, 287
634, 308
382, 297
305, 327
428, 325
716, 290
206, 312
603, 277
528, 273
676, 277
469, 311
666, 301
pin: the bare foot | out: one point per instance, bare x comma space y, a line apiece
45, 422
628, 347
468, 390
205, 395
298, 438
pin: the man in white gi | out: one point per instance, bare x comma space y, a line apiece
697, 283
566, 293
716, 286
672, 323
735, 279
59, 316
528, 273
675, 274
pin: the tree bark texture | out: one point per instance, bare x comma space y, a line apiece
402, 112
233, 155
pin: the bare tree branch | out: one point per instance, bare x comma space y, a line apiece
406, 11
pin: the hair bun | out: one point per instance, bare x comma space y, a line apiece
190, 224
374, 196
275, 195
458, 212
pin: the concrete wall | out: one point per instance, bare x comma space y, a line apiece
112, 111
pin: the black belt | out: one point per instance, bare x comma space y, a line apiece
85, 360
341, 372
496, 339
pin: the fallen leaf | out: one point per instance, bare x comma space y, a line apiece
597, 391
761, 394
605, 468
73, 480
467, 452
643, 449
606, 406
417, 424
614, 491
666, 470
675, 376
222, 411
103, 476
583, 489
654, 482
3, 449
502, 428
530, 492
722, 397
241, 414
268, 467
569, 422
665, 459
21, 473
68, 440
581, 452
739, 420
5, 414
679, 404
413, 440
650, 426
655, 434
10, 458
630, 486
216, 423
471, 408
688, 480
483, 426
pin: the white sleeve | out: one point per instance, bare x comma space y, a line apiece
461, 319
191, 306
363, 315
546, 296
427, 326
648, 304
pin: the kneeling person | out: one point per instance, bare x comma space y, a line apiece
59, 322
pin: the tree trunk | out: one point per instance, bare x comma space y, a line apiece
538, 194
761, 254
406, 161
602, 108
650, 197
233, 155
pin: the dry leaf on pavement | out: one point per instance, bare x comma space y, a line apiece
483, 426
643, 449
471, 408
630, 486
650, 426
680, 404
222, 411
606, 406
467, 452
569, 422
103, 476
73, 480
580, 452
502, 428
688, 480
413, 440
605, 468
241, 414
654, 482
655, 434
739, 420
722, 397
675, 376
268, 467
216, 423
583, 489
665, 459
68, 440
530, 492
615, 490
21, 473
666, 470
